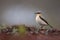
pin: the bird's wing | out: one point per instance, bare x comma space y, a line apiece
45, 21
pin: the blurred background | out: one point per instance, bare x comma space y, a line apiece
13, 12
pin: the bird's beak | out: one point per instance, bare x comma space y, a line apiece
35, 13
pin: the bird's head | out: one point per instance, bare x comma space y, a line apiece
38, 13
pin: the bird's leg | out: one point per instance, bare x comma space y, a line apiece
41, 27
37, 30
46, 32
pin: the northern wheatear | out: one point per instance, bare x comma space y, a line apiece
41, 21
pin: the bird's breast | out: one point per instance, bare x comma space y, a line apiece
40, 20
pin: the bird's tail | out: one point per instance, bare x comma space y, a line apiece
50, 26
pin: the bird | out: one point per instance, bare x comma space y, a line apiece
41, 21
